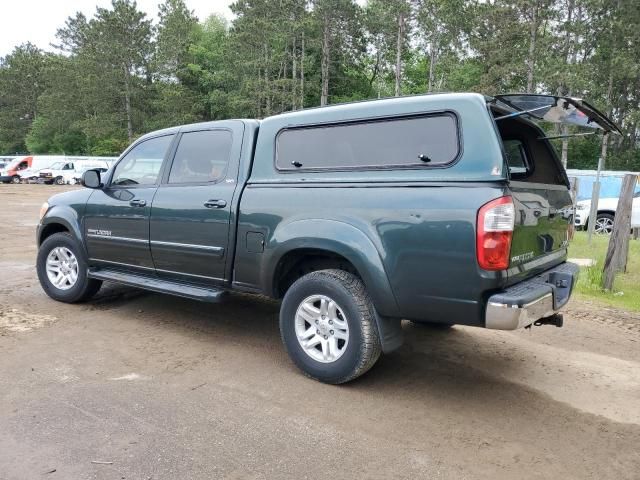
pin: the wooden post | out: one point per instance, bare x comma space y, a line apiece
575, 186
618, 251
595, 195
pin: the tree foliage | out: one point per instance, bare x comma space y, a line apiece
117, 75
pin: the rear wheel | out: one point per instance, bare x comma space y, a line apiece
604, 223
328, 326
62, 270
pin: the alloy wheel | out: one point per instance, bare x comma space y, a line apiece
321, 328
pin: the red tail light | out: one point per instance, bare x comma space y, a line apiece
494, 233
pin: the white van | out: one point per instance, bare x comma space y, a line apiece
68, 170
26, 167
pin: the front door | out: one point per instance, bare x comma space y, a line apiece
191, 210
116, 221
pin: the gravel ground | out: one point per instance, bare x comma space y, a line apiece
134, 385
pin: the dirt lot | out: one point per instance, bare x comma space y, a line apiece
165, 388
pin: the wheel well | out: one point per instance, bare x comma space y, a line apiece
610, 212
298, 263
50, 229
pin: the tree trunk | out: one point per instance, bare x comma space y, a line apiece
533, 36
324, 67
127, 102
399, 52
432, 66
302, 72
618, 250
294, 76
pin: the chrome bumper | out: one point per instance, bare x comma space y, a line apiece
524, 303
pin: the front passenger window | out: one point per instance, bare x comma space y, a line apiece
141, 166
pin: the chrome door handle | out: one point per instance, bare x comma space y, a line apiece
138, 203
215, 204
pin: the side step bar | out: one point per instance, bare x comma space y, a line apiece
211, 295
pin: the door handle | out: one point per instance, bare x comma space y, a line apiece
215, 204
138, 203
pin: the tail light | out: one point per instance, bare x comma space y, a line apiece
494, 233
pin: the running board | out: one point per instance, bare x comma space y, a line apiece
158, 285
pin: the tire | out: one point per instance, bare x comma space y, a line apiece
353, 308
15, 179
604, 223
83, 288
59, 181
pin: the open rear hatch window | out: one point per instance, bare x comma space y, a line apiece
566, 110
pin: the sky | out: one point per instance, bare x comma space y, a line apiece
37, 21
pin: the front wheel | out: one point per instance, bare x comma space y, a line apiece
328, 326
62, 270
59, 181
15, 179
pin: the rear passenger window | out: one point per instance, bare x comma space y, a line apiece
201, 157
404, 142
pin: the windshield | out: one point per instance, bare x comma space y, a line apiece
57, 166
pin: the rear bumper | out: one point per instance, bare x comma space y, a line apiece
523, 303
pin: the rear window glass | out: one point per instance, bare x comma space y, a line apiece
419, 141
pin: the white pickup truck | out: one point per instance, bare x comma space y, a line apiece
70, 170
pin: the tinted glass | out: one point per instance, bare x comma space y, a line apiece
201, 157
516, 156
369, 145
141, 166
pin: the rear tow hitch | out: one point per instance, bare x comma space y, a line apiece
555, 319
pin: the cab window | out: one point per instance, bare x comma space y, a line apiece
201, 157
141, 166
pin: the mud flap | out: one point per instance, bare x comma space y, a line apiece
390, 331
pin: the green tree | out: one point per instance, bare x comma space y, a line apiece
21, 83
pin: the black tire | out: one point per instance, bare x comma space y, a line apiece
363, 348
84, 288
59, 181
15, 179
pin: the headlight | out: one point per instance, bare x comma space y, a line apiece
43, 209
582, 206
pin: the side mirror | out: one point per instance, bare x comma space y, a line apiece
91, 179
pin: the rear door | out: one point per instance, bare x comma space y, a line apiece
191, 212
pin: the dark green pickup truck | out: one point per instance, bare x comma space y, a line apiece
448, 208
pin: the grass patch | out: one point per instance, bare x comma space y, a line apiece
626, 289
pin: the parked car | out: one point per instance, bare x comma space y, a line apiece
610, 186
355, 216
606, 214
66, 171
26, 168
